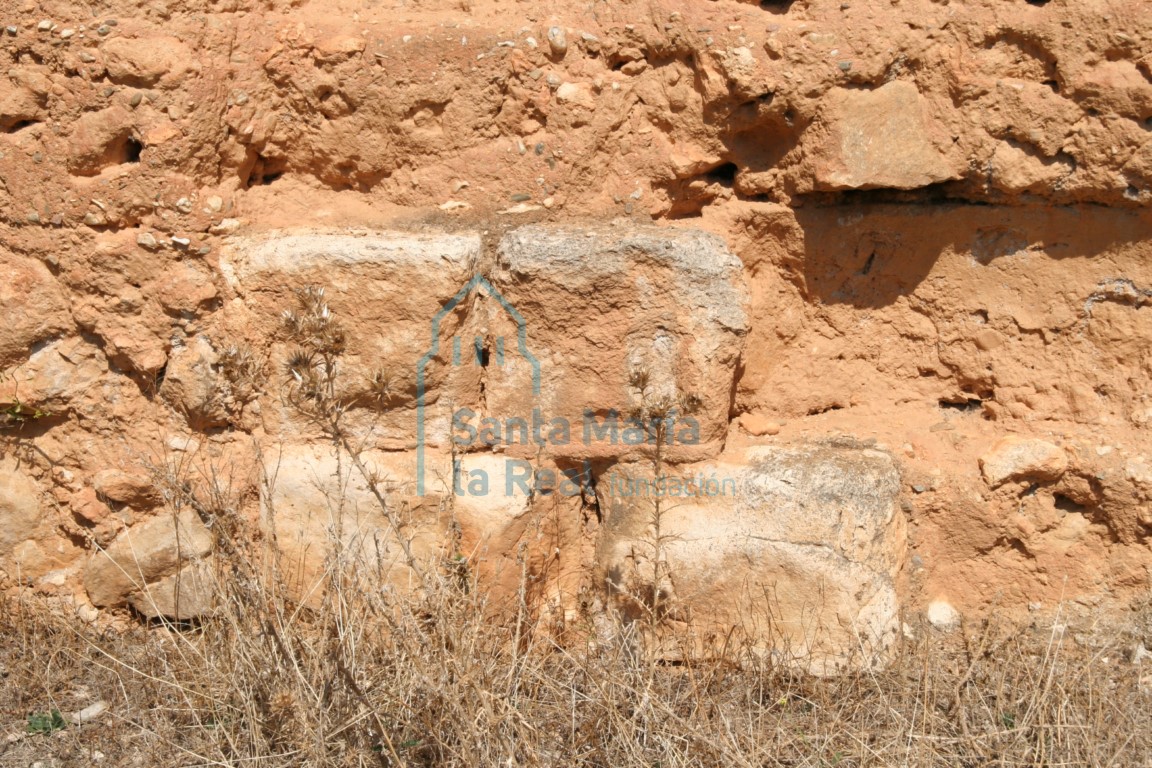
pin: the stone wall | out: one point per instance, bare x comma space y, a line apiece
889, 265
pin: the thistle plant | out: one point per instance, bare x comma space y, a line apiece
657, 414
313, 386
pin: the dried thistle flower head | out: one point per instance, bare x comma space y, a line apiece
639, 379
690, 403
660, 408
381, 386
242, 369
312, 324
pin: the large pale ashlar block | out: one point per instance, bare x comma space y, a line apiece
386, 290
598, 304
791, 549
318, 505
549, 337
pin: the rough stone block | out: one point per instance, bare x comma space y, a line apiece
794, 549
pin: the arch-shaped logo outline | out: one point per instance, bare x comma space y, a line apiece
478, 281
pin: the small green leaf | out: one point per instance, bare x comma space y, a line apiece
46, 722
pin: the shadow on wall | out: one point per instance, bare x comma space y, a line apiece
868, 255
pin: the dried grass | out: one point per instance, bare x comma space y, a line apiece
377, 678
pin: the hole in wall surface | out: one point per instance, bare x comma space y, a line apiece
965, 406
1065, 504
20, 125
131, 151
776, 6
722, 174
264, 171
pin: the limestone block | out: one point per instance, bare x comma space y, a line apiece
793, 548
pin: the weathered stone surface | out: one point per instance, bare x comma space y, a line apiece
134, 488
19, 506
32, 304
1022, 458
757, 424
86, 504
792, 547
671, 304
577, 94
143, 554
187, 594
391, 280
143, 62
18, 105
100, 139
183, 288
335, 48
55, 376
999, 282
943, 616
882, 138
191, 384
318, 504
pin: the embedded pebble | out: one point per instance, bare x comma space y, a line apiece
136, 99
519, 208
86, 57
943, 616
146, 240
11, 29
103, 30
67, 33
181, 242
557, 40
44, 25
